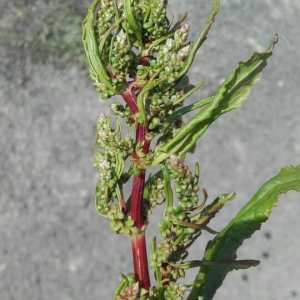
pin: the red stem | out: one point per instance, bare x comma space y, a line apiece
137, 199
138, 242
130, 99
140, 133
139, 252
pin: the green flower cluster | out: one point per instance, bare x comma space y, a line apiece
104, 191
174, 291
105, 16
110, 154
186, 185
123, 29
110, 139
153, 193
127, 289
183, 221
156, 24
161, 104
121, 55
176, 228
120, 222
123, 112
171, 55
137, 49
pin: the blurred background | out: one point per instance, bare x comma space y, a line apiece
53, 244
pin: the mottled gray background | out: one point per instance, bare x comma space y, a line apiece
53, 245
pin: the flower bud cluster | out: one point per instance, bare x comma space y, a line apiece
156, 24
180, 37
174, 291
104, 188
128, 288
173, 226
161, 105
165, 257
186, 185
154, 193
105, 16
123, 112
121, 57
166, 64
101, 48
110, 152
173, 272
132, 43
171, 55
116, 50
177, 228
105, 19
111, 139
143, 73
162, 254
172, 249
170, 132
129, 293
120, 222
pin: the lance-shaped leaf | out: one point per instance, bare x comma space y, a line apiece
89, 39
225, 244
200, 38
231, 264
134, 25
231, 95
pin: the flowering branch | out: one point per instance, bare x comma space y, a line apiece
134, 51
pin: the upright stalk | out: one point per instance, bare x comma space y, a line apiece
138, 241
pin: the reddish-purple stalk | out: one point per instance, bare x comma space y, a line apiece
138, 242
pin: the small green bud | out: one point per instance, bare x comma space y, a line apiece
129, 222
119, 215
115, 226
147, 25
134, 230
181, 216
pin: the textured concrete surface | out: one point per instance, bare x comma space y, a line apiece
53, 245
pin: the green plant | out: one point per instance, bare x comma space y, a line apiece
134, 51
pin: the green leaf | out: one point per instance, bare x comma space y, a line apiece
200, 38
134, 25
232, 264
232, 93
91, 48
224, 246
186, 109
